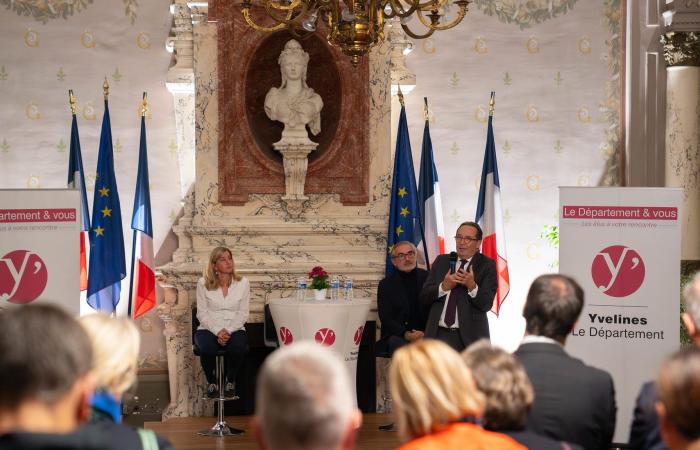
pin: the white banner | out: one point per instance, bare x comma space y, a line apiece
623, 246
39, 247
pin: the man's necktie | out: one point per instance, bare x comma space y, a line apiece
457, 293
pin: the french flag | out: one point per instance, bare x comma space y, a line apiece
76, 180
430, 203
490, 217
142, 296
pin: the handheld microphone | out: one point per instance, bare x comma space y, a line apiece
453, 262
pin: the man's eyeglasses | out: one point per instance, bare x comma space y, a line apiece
410, 254
465, 239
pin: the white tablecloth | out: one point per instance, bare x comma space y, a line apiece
337, 324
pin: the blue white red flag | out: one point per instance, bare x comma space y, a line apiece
142, 297
76, 180
429, 201
490, 217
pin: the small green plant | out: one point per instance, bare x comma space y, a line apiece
550, 233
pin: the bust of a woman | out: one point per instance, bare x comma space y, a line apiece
294, 103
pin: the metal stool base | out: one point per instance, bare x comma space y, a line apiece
221, 429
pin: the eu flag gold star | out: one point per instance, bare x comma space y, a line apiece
391, 249
106, 212
404, 212
399, 230
104, 192
402, 192
99, 231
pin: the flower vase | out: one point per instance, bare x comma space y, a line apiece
319, 294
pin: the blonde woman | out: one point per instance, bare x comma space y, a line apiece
222, 310
436, 403
115, 344
115, 348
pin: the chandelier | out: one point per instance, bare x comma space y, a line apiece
355, 26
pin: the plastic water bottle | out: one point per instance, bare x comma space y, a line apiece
348, 289
301, 288
335, 287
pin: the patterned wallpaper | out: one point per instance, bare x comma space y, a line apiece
52, 46
554, 65
555, 68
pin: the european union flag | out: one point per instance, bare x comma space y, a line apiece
404, 215
107, 261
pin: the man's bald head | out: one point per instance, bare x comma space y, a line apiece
553, 305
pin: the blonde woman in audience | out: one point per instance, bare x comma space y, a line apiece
509, 395
223, 299
436, 403
115, 348
678, 405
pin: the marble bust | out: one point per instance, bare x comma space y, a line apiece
294, 103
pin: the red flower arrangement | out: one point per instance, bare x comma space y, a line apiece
319, 278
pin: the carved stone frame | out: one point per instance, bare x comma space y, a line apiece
243, 167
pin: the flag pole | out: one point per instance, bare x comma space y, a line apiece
422, 219
144, 109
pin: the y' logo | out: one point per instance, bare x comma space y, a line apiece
325, 336
618, 271
23, 276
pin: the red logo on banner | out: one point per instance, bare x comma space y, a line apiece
286, 335
23, 276
325, 336
358, 335
618, 271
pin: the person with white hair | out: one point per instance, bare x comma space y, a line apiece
304, 400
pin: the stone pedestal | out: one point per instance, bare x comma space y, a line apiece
295, 163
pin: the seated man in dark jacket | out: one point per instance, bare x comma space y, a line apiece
400, 312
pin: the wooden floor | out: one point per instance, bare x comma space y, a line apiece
182, 432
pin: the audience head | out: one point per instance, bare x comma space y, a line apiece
115, 348
404, 256
305, 400
431, 387
554, 303
504, 382
45, 360
678, 405
691, 316
220, 263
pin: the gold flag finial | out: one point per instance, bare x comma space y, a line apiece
425, 109
144, 105
492, 103
400, 94
71, 100
105, 88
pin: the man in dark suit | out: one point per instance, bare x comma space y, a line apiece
458, 302
400, 312
645, 433
573, 402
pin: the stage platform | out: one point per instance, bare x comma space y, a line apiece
182, 432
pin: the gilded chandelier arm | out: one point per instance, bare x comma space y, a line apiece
463, 6
417, 36
245, 10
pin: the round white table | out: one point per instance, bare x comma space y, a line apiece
337, 324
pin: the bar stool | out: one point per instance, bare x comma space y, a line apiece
220, 428
382, 351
